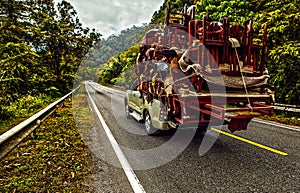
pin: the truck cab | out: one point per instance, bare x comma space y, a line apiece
153, 112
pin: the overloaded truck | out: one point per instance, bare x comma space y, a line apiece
200, 73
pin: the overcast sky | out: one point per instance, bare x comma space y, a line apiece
111, 16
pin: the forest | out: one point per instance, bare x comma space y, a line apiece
42, 46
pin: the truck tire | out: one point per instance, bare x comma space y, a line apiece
150, 130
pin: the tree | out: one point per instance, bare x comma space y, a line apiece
18, 60
58, 36
41, 47
283, 19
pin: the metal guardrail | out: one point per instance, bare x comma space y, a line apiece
11, 138
285, 107
277, 125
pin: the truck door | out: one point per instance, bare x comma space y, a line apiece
134, 98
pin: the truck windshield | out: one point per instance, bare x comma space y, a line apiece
134, 85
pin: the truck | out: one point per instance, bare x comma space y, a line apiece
200, 73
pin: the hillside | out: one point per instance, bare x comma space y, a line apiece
115, 44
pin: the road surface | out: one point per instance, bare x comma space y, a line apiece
231, 165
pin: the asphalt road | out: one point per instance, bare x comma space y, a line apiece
231, 165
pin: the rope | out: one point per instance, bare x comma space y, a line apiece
173, 82
241, 67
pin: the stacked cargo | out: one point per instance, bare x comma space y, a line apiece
212, 68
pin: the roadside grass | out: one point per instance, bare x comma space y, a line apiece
22, 109
288, 118
54, 159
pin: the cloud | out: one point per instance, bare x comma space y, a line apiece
112, 16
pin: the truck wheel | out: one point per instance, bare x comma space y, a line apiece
150, 130
127, 111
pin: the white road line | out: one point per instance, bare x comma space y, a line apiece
133, 180
276, 125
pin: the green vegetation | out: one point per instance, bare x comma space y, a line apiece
115, 55
23, 108
54, 160
41, 47
116, 44
119, 67
289, 118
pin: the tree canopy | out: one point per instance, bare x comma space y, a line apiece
41, 47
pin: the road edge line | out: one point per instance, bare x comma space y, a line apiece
132, 178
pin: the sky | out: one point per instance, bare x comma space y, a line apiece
111, 16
